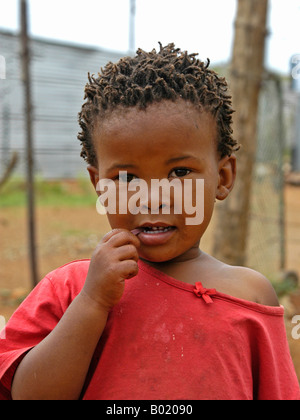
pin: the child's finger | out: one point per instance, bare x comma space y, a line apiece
137, 231
128, 252
110, 234
130, 268
124, 237
119, 237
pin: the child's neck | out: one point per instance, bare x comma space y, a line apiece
180, 267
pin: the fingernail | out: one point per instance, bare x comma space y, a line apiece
136, 232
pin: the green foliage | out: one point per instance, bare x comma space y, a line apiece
78, 192
286, 286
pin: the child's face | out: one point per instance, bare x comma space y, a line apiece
169, 140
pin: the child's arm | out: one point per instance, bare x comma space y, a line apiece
57, 367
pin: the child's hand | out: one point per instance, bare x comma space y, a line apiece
114, 260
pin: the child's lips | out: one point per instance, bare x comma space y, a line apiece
153, 235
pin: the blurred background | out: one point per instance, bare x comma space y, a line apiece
47, 206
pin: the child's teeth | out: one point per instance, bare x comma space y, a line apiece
156, 229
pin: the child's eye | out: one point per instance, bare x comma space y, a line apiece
180, 172
125, 177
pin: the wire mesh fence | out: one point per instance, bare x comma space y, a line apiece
266, 242
59, 72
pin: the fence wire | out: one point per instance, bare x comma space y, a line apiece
266, 242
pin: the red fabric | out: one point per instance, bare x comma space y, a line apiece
164, 340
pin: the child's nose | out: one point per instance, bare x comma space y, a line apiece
156, 210
156, 202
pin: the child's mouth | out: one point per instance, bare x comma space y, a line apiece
154, 235
156, 230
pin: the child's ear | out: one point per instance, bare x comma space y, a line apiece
227, 175
94, 175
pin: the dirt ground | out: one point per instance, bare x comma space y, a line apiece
66, 234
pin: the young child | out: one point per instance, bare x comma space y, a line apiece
151, 316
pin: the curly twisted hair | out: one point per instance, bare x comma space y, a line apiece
168, 74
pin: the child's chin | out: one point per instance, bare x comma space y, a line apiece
156, 257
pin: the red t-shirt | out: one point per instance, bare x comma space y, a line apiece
165, 340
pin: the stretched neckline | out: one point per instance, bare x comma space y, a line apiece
258, 307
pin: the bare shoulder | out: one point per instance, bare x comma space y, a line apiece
240, 282
254, 286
